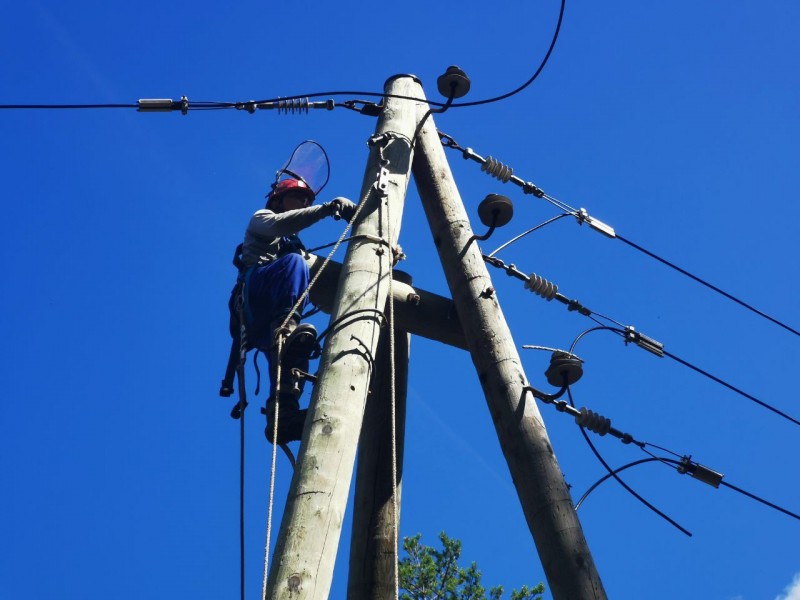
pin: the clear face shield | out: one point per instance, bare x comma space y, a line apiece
308, 163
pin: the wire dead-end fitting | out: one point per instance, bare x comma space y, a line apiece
700, 472
643, 341
162, 105
596, 224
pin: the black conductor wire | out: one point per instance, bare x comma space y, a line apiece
622, 483
708, 285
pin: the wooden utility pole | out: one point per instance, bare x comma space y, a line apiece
372, 556
543, 493
305, 551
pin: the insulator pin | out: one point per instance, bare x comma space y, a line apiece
593, 421
496, 169
541, 286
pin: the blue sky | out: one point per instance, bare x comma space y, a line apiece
678, 124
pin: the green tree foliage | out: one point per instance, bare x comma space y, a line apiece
430, 574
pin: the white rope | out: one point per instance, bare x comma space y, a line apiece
297, 304
393, 395
272, 467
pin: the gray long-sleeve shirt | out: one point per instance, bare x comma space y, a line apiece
266, 228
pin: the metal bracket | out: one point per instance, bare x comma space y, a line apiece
382, 181
584, 217
644, 342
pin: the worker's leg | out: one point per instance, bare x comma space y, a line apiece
273, 291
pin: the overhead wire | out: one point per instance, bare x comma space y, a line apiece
708, 285
601, 425
228, 105
494, 168
722, 382
731, 387
621, 482
672, 463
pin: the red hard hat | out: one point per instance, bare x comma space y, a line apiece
285, 186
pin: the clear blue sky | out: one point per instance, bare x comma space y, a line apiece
677, 123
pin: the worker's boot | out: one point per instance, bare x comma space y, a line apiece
291, 419
295, 351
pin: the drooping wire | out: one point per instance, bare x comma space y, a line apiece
672, 463
229, 105
536, 73
531, 230
622, 483
608, 476
583, 334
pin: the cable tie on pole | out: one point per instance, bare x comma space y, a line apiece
584, 217
643, 341
699, 472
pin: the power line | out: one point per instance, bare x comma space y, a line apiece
624, 333
708, 285
64, 106
731, 387
670, 462
301, 97
588, 419
505, 174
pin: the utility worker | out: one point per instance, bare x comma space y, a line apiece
276, 277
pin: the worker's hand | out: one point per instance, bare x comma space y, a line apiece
343, 207
397, 254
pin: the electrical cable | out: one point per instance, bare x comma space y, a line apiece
327, 331
536, 73
531, 230
732, 388
608, 476
667, 461
708, 285
697, 369
600, 327
227, 105
622, 483
64, 106
761, 500
494, 168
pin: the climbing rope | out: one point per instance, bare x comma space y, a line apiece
272, 467
393, 395
296, 306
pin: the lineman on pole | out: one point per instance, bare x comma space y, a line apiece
276, 276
